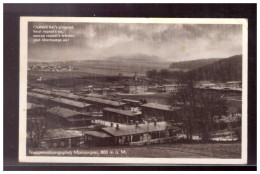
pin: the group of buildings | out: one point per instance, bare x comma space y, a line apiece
230, 85
50, 68
143, 88
71, 120
138, 85
135, 88
90, 118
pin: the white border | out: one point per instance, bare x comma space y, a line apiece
23, 96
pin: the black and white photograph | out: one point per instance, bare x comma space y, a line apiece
133, 90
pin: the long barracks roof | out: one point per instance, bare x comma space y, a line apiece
103, 101
97, 134
80, 119
122, 112
70, 102
61, 90
36, 95
140, 129
61, 133
131, 101
32, 105
56, 93
67, 95
42, 91
62, 112
98, 96
159, 106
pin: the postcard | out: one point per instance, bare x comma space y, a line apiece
133, 90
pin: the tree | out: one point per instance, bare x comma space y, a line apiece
152, 73
209, 104
184, 97
197, 107
164, 73
36, 127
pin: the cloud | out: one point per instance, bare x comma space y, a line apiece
170, 42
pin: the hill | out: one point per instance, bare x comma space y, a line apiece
229, 69
192, 64
127, 66
135, 58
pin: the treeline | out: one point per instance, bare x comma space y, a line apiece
229, 69
193, 64
164, 74
198, 108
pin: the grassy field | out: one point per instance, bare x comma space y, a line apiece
46, 75
108, 67
208, 150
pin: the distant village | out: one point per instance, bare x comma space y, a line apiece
51, 68
100, 116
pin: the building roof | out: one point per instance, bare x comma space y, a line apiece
71, 102
205, 82
106, 89
122, 112
119, 87
97, 134
32, 94
171, 85
67, 95
61, 133
56, 93
80, 119
133, 129
32, 106
152, 87
63, 112
42, 91
103, 101
97, 89
228, 119
159, 106
131, 101
234, 82
107, 97
96, 95
61, 90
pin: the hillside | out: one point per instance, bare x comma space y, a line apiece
192, 64
127, 66
135, 58
229, 69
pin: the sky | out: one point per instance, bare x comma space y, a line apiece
166, 42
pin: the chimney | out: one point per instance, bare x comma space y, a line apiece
136, 123
111, 124
117, 126
155, 121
